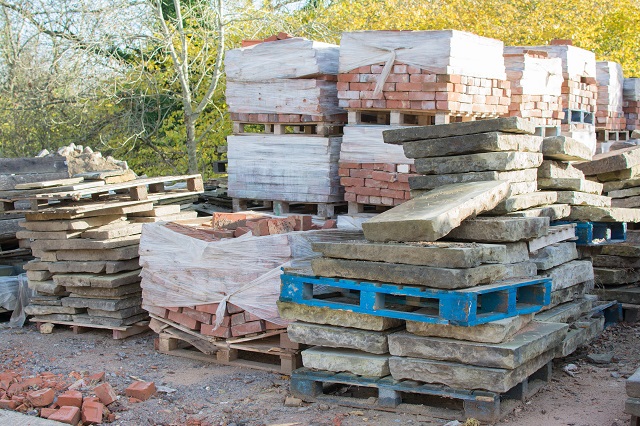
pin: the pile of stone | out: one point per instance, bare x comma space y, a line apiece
631, 103
610, 114
632, 405
536, 82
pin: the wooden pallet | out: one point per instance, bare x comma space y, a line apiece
269, 351
409, 396
403, 117
310, 128
118, 333
322, 210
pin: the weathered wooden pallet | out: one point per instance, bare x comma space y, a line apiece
269, 351
322, 210
403, 117
577, 116
309, 128
598, 233
409, 396
604, 135
467, 307
118, 333
355, 208
556, 234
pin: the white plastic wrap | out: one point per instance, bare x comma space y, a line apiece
9, 292
610, 84
285, 96
285, 168
290, 58
576, 62
631, 89
178, 270
439, 52
536, 76
354, 222
364, 144
15, 295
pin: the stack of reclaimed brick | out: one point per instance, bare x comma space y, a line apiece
282, 99
536, 82
390, 79
86, 271
610, 120
631, 103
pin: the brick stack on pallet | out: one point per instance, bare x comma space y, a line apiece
287, 123
536, 83
610, 119
86, 271
631, 103
389, 79
219, 294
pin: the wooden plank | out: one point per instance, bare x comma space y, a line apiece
90, 209
28, 165
8, 182
49, 183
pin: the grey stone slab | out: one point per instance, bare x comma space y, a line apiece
36, 265
519, 188
496, 161
609, 276
517, 252
48, 310
96, 267
604, 261
52, 317
575, 198
433, 215
374, 342
71, 225
633, 236
122, 313
622, 250
442, 278
471, 144
108, 281
104, 292
103, 304
46, 300
630, 202
109, 321
581, 333
611, 161
522, 270
500, 229
121, 253
623, 294
437, 254
580, 185
533, 340
343, 318
569, 294
626, 174
624, 193
632, 406
464, 376
47, 287
506, 125
78, 244
632, 385
435, 181
604, 214
552, 211
554, 255
569, 274
349, 360
492, 332
564, 148
620, 185
550, 169
525, 201
565, 313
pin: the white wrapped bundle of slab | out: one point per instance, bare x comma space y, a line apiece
631, 106
576, 62
439, 52
293, 168
364, 144
610, 103
536, 86
290, 58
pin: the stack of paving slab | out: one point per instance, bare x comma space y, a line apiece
536, 82
282, 97
579, 89
631, 103
390, 79
632, 405
86, 269
610, 114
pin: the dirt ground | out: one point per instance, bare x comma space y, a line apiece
198, 393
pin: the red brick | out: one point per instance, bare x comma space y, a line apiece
70, 398
209, 308
396, 96
273, 326
92, 412
47, 412
363, 190
8, 404
248, 316
237, 319
199, 316
399, 186
355, 103
141, 390
342, 172
330, 224
342, 86
303, 223
234, 309
392, 193
174, 309
90, 399
42, 397
68, 415
404, 178
350, 197
384, 176
222, 233
346, 165
348, 78
279, 226
372, 183
247, 328
369, 166
395, 104
106, 393
361, 173
409, 87
259, 228
240, 231
184, 320
351, 181
363, 199
223, 332
221, 220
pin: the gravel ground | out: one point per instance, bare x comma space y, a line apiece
198, 393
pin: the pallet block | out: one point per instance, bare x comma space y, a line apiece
118, 333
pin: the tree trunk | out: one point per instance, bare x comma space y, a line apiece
191, 143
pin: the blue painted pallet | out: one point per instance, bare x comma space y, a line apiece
598, 233
308, 385
466, 307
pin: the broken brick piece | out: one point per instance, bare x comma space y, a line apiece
70, 398
221, 220
241, 230
8, 404
329, 224
141, 390
68, 415
97, 377
92, 412
41, 397
46, 412
106, 393
259, 228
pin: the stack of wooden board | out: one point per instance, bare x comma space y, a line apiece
86, 271
610, 114
631, 103
536, 82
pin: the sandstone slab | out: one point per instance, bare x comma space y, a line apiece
624, 193
604, 261
580, 185
96, 267
501, 229
47, 287
518, 188
103, 304
552, 211
622, 250
109, 281
492, 332
497, 161
564, 148
632, 385
620, 185
349, 360
575, 198
608, 276
569, 274
533, 340
604, 214
471, 144
122, 313
517, 252
569, 294
565, 313
48, 310
583, 332
623, 294
433, 215
554, 255
632, 407
630, 202
611, 161
550, 169
525, 201
374, 342
99, 292
72, 225
435, 181
109, 321
620, 175
506, 125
